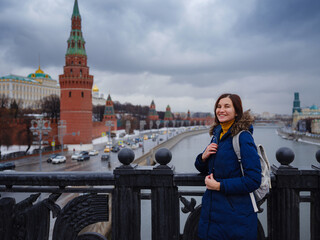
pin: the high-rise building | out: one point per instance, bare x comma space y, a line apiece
76, 85
296, 103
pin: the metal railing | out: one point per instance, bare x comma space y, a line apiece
122, 192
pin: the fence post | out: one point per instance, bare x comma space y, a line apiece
315, 205
283, 204
164, 199
126, 213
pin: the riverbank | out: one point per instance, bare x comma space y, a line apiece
149, 157
299, 136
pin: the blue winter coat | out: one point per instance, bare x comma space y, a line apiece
228, 213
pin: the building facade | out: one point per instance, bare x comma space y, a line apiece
76, 89
29, 90
305, 119
97, 98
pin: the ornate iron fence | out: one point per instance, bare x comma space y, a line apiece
122, 191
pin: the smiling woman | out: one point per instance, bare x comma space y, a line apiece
227, 212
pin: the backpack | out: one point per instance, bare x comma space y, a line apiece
263, 190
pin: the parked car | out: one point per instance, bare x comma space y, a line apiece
105, 157
84, 156
49, 160
115, 148
93, 152
59, 159
7, 166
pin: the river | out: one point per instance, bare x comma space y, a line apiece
184, 154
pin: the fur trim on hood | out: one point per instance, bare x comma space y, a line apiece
242, 124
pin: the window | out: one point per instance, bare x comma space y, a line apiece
82, 94
80, 72
69, 94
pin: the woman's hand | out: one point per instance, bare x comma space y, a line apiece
211, 149
211, 183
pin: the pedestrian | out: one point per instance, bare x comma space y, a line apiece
227, 211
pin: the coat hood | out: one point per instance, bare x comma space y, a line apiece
244, 123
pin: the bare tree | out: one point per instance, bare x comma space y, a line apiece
4, 101
50, 105
98, 112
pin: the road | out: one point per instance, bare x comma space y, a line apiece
32, 164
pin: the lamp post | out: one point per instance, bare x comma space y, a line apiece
109, 124
62, 129
158, 124
142, 123
166, 125
40, 128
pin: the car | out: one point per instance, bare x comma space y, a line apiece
105, 157
75, 156
84, 157
134, 146
115, 148
49, 160
59, 159
93, 152
107, 149
7, 166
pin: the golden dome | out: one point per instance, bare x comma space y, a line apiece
95, 88
39, 70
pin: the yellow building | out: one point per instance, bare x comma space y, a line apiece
29, 90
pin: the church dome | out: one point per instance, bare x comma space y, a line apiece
95, 88
313, 107
39, 74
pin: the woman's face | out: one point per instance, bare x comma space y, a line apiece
225, 111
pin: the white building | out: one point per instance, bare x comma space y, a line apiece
29, 90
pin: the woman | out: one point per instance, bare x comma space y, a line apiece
227, 211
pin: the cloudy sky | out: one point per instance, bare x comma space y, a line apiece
184, 53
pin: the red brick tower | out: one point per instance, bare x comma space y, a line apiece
153, 115
168, 115
109, 114
76, 85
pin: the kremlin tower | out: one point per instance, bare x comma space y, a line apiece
168, 114
153, 115
109, 114
76, 85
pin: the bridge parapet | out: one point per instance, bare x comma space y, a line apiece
31, 216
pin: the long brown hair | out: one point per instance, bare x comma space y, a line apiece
237, 104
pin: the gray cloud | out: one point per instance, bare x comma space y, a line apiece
186, 52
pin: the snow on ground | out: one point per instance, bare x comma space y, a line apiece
16, 148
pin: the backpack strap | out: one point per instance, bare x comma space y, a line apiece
236, 148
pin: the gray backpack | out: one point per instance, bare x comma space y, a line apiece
263, 190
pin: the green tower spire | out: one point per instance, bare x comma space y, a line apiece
76, 9
76, 43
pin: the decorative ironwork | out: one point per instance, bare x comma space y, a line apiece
30, 218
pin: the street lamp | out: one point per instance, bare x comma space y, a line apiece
40, 128
62, 129
109, 124
158, 124
166, 125
142, 123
